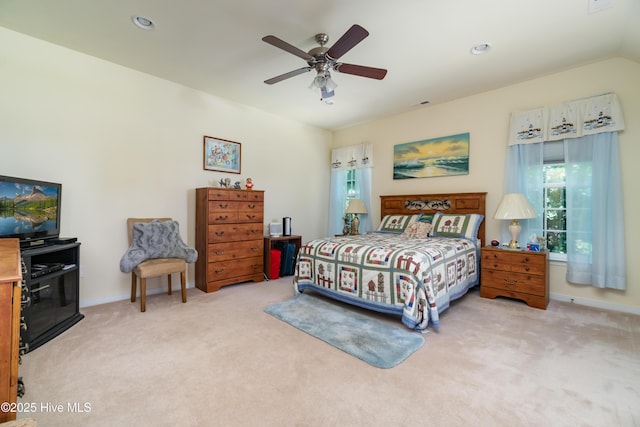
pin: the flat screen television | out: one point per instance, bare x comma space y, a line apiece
29, 210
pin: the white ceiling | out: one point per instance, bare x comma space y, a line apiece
215, 46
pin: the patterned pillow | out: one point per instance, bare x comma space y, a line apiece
417, 230
396, 223
465, 226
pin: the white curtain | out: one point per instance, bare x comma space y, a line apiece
360, 158
524, 174
595, 227
337, 193
595, 224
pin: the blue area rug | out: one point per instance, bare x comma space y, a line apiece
367, 338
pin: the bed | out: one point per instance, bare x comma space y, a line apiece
397, 269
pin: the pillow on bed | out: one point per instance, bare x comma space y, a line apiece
417, 230
396, 223
452, 225
428, 218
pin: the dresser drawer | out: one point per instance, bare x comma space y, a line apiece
521, 262
218, 233
514, 282
252, 212
227, 251
234, 268
227, 211
218, 194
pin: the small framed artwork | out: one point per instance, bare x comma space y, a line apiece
222, 155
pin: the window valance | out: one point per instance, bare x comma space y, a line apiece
352, 157
571, 119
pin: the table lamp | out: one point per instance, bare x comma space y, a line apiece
355, 207
514, 206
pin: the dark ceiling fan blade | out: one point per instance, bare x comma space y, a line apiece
285, 76
362, 71
273, 40
352, 37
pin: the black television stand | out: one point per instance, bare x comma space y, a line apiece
51, 292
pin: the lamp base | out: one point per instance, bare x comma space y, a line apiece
514, 229
355, 224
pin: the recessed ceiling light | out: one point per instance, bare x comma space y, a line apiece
143, 22
481, 48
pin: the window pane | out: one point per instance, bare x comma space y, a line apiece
556, 219
555, 197
557, 242
554, 173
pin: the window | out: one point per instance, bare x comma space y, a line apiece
353, 190
570, 166
351, 171
555, 210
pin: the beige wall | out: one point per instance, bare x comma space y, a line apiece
123, 143
486, 117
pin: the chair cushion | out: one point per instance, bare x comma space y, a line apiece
154, 240
160, 267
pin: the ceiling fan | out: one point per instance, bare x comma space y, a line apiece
324, 59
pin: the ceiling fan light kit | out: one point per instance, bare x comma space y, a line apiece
323, 60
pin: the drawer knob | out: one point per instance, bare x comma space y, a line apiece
223, 206
252, 206
219, 233
495, 255
219, 271
526, 268
223, 217
526, 259
220, 252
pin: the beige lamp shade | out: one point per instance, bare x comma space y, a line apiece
356, 206
514, 206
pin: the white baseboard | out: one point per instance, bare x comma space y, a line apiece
122, 297
595, 304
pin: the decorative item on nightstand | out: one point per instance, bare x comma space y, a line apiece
514, 206
355, 207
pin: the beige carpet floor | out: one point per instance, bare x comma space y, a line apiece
220, 360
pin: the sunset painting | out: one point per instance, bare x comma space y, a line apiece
445, 156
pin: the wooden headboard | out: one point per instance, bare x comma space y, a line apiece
450, 203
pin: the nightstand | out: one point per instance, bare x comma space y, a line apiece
515, 274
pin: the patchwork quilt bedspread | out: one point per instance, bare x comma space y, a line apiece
414, 278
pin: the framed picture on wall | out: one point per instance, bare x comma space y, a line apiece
222, 155
444, 156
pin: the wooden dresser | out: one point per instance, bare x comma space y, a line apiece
10, 295
515, 274
229, 237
